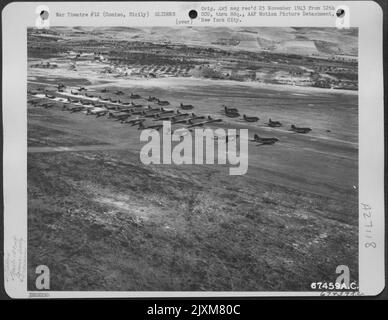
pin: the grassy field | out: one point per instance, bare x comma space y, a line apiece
103, 221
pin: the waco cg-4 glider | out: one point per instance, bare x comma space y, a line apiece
97, 111
300, 129
202, 123
184, 118
186, 106
250, 119
231, 112
262, 141
142, 126
163, 102
274, 124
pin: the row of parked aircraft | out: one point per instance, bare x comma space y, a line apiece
125, 110
234, 113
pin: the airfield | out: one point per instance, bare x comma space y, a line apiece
101, 220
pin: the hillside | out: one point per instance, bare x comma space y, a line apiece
303, 41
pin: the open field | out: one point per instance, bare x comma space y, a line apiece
101, 220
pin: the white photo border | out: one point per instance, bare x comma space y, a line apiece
367, 16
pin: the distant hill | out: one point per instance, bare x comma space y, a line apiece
302, 41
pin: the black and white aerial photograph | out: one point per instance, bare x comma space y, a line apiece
113, 207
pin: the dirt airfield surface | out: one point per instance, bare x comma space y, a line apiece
102, 220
